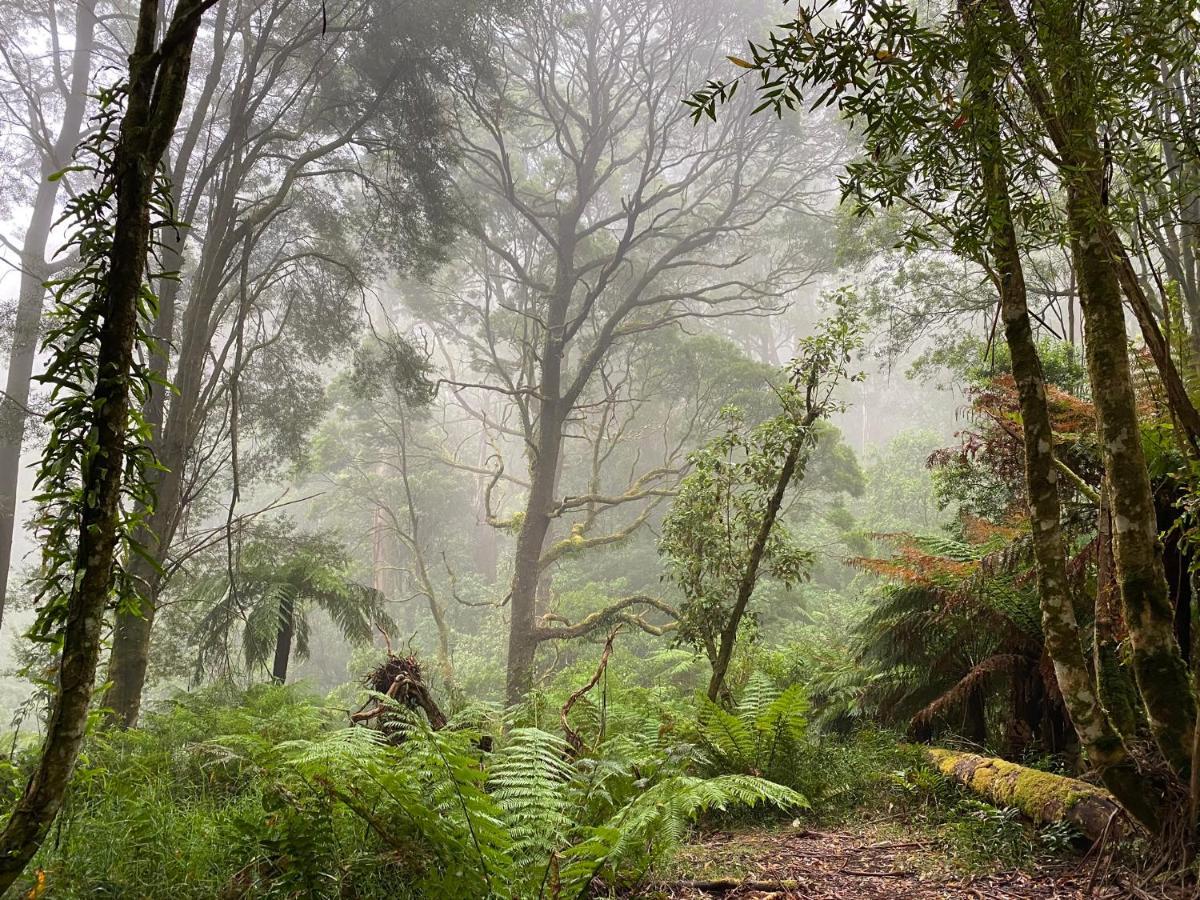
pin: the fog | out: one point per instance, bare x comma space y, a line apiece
474, 336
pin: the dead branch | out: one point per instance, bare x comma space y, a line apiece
605, 616
573, 737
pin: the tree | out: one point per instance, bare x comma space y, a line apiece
88, 467
284, 250
724, 525
280, 577
33, 96
973, 176
599, 215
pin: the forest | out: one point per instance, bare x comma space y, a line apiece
545, 449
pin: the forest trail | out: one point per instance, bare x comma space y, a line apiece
861, 863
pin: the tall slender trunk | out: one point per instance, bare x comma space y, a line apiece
170, 426
283, 638
34, 273
157, 84
791, 463
1062, 633
130, 656
1158, 667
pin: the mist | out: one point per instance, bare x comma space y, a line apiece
491, 448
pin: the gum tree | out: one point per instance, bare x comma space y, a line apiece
599, 214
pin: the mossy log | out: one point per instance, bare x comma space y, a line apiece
1041, 796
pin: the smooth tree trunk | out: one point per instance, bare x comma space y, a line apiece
531, 539
1062, 633
32, 291
788, 471
157, 84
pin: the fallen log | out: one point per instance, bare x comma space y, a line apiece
1041, 796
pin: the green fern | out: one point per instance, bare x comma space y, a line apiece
763, 737
525, 821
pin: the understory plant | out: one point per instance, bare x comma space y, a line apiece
526, 821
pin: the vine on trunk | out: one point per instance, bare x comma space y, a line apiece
81, 303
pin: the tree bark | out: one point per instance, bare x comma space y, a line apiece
1062, 633
523, 639
1043, 797
283, 638
32, 292
157, 85
1159, 670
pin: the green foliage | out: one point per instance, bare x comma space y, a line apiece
72, 343
711, 537
764, 735
526, 822
279, 577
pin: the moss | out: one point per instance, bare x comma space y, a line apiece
1042, 796
1163, 681
1117, 691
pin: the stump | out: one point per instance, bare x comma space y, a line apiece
399, 677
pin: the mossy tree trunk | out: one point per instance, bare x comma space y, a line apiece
158, 75
1062, 634
1161, 675
1041, 796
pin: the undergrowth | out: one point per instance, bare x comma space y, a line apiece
265, 793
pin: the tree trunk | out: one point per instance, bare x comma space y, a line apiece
171, 430
283, 638
1062, 634
1043, 797
1069, 117
34, 272
130, 656
1158, 667
131, 633
157, 84
720, 665
523, 639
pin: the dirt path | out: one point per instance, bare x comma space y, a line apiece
839, 865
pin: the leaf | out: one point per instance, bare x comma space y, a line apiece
738, 61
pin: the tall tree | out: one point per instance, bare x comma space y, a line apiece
900, 80
282, 254
30, 98
600, 214
86, 466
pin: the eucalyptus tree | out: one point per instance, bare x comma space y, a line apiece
600, 215
371, 452
968, 146
726, 523
314, 158
44, 98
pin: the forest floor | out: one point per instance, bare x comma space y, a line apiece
869, 863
